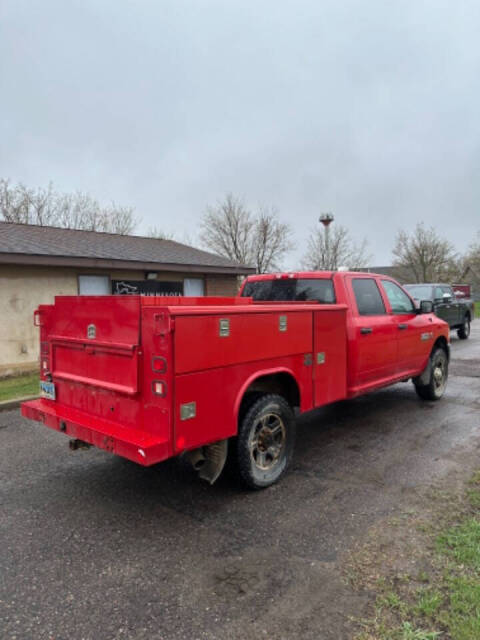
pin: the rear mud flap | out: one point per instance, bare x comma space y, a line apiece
215, 458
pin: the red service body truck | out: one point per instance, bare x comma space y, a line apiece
148, 378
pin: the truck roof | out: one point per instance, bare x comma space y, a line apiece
311, 274
427, 284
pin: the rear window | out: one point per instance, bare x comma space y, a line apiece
290, 290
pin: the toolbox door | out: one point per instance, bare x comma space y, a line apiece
329, 356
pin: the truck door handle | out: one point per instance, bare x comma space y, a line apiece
403, 326
366, 330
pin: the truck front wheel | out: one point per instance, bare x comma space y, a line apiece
265, 441
437, 382
464, 330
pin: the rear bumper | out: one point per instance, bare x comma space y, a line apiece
133, 444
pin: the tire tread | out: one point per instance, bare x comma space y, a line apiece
462, 334
241, 453
427, 391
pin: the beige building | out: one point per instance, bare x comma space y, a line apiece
39, 263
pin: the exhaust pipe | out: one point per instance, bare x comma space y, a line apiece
209, 461
196, 458
78, 444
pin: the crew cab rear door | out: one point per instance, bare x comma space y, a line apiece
372, 334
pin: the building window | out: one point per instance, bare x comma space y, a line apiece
94, 285
193, 287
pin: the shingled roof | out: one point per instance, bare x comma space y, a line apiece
32, 244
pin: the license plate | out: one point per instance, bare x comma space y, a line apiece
47, 390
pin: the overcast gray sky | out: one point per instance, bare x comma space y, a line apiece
367, 109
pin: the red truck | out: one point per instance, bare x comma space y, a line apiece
148, 378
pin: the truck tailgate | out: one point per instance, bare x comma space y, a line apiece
92, 353
95, 340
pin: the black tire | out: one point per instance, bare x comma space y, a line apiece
264, 445
464, 330
436, 386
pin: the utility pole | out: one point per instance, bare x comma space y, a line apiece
326, 219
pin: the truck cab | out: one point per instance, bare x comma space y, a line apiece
388, 336
457, 313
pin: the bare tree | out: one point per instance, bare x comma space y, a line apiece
334, 248
227, 229
272, 240
160, 234
233, 231
473, 254
471, 260
47, 207
424, 256
21, 204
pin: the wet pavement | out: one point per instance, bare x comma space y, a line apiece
95, 547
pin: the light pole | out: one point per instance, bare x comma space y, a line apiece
326, 219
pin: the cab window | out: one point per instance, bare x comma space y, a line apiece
420, 292
291, 290
368, 298
398, 299
448, 291
438, 293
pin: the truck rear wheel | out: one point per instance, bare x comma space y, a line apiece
464, 330
435, 387
265, 441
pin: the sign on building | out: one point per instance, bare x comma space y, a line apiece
146, 288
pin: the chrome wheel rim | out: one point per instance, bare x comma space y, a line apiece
466, 328
267, 441
439, 374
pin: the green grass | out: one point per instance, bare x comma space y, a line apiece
392, 601
407, 632
429, 602
19, 386
462, 543
445, 602
477, 309
462, 616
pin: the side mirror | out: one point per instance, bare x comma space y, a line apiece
446, 297
426, 306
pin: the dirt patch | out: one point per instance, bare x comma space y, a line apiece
268, 595
398, 563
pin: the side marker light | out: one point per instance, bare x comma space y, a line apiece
159, 388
